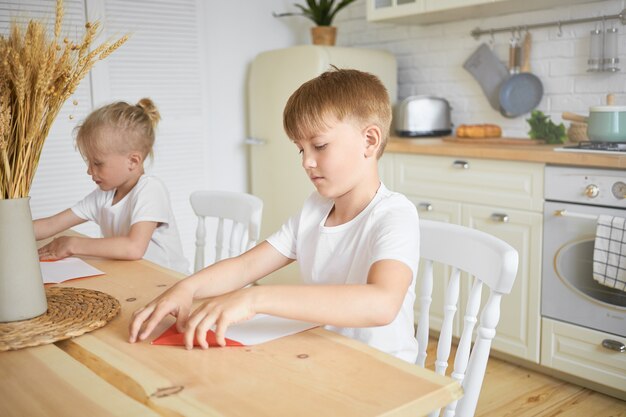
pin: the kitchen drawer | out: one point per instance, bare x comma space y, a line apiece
511, 184
578, 351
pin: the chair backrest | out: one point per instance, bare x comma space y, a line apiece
238, 222
493, 264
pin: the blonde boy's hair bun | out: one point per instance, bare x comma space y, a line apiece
150, 109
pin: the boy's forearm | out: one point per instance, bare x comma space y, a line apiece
234, 273
122, 248
50, 226
356, 305
219, 278
41, 230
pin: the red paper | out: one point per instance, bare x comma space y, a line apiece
171, 337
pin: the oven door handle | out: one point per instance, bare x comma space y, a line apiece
565, 213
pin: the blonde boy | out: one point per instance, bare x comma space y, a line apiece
357, 243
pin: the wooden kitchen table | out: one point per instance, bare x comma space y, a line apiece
313, 373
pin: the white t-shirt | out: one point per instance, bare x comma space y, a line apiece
388, 228
147, 201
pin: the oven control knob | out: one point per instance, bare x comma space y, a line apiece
619, 190
592, 191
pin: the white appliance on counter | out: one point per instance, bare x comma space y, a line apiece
276, 174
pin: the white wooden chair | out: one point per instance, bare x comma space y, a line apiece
238, 220
493, 263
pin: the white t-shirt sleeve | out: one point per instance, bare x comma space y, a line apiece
87, 208
395, 234
151, 203
285, 239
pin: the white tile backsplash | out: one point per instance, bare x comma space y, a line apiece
430, 60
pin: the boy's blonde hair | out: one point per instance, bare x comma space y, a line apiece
338, 94
120, 128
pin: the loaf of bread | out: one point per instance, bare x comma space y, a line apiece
479, 131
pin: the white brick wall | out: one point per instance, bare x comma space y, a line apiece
430, 60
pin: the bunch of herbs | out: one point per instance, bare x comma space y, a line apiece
541, 127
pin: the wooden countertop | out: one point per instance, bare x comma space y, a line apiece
529, 153
313, 373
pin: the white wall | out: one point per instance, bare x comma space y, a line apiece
238, 30
430, 60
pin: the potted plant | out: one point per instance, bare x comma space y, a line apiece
38, 73
322, 13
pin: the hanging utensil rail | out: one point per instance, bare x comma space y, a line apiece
478, 32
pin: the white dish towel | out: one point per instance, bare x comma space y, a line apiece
609, 253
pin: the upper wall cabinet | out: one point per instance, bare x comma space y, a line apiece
435, 11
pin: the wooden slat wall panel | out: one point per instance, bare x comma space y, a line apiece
163, 60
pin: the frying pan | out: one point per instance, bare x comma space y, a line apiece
522, 92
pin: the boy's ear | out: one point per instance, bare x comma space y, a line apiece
373, 138
134, 160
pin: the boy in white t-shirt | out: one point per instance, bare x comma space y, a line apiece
356, 242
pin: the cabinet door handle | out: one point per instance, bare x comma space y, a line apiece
425, 207
499, 217
460, 164
614, 345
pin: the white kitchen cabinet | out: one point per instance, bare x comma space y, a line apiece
480, 194
434, 11
578, 351
518, 332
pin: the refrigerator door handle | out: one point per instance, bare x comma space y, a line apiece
254, 141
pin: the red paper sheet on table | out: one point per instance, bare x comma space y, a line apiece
259, 329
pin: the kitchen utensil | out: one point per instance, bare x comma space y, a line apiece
573, 117
596, 40
520, 93
489, 71
610, 58
605, 123
423, 116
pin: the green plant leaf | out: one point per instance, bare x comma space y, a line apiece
541, 127
322, 12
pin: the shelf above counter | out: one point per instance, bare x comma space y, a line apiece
439, 11
529, 153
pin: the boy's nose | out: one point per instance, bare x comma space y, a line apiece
88, 169
308, 161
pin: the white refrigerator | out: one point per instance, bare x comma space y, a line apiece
276, 174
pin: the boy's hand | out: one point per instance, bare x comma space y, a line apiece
221, 311
175, 301
59, 248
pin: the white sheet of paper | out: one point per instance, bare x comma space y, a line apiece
263, 328
68, 268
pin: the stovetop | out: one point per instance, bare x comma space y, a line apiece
597, 147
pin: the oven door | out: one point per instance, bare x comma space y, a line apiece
569, 292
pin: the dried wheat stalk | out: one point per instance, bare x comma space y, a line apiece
37, 75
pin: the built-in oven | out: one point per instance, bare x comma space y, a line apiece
575, 197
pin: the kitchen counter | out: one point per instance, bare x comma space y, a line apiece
514, 152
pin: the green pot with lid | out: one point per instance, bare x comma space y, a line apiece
607, 123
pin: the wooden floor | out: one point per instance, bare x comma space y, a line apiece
514, 391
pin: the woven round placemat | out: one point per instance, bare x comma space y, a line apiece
71, 312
